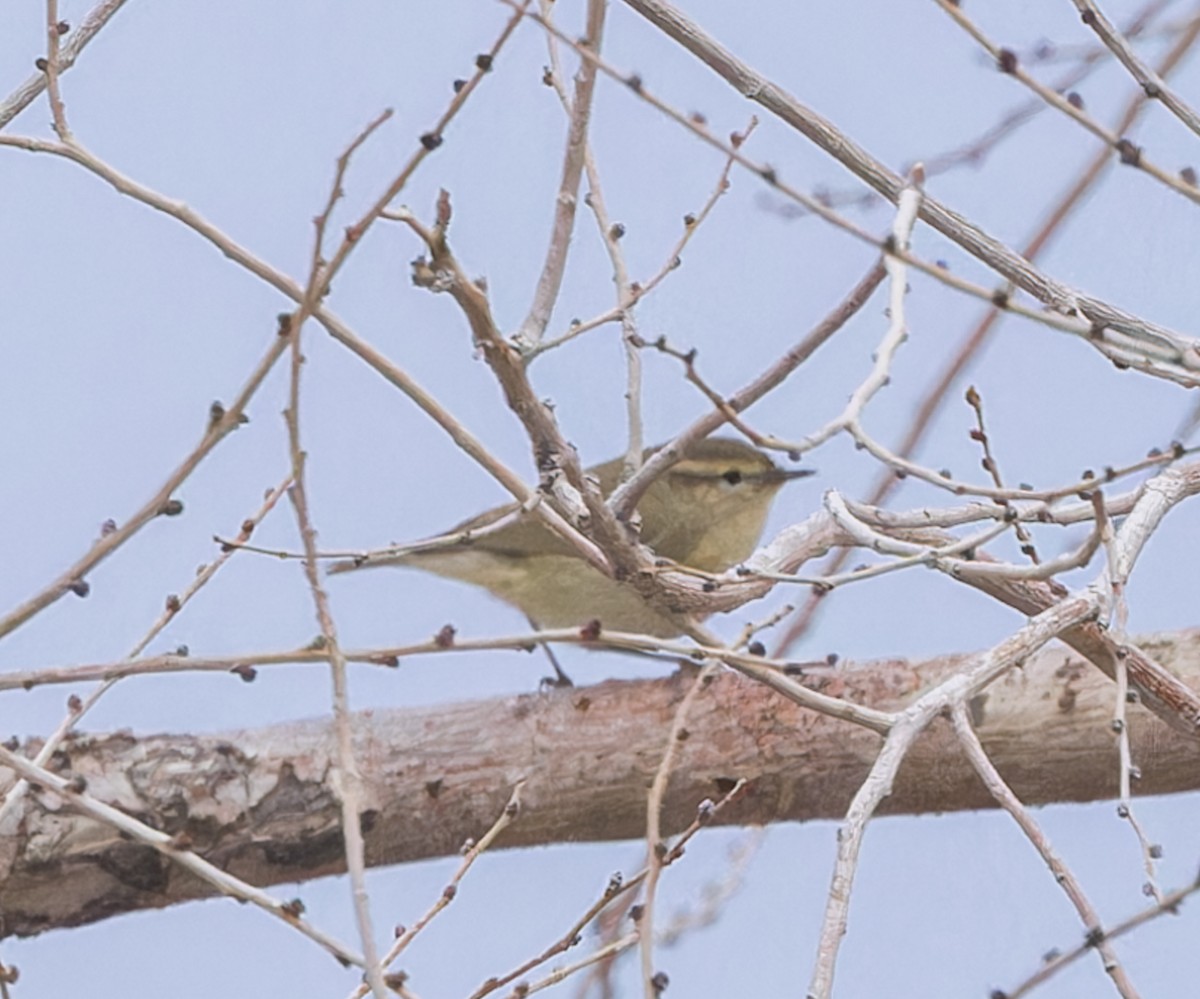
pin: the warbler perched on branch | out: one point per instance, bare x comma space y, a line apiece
706, 511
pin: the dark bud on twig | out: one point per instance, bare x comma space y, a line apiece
1128, 153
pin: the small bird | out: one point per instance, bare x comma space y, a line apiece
707, 511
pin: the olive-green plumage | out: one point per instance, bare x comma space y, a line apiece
707, 511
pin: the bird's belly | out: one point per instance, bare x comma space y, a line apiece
567, 592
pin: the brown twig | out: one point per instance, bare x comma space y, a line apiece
972, 345
78, 707
656, 849
162, 503
89, 27
546, 294
1154, 86
627, 495
472, 851
1063, 875
617, 887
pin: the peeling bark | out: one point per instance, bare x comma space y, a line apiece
260, 803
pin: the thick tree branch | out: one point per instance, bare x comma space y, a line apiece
259, 804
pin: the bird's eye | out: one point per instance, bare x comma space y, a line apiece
733, 476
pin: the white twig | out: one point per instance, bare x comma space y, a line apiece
1063, 875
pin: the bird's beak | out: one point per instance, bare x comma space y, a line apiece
782, 475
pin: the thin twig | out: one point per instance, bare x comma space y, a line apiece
1063, 875
533, 328
1152, 83
162, 503
656, 849
51, 67
1115, 332
78, 707
345, 778
175, 849
617, 887
1128, 153
28, 92
626, 496
472, 852
1170, 905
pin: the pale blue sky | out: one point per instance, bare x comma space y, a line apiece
121, 326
